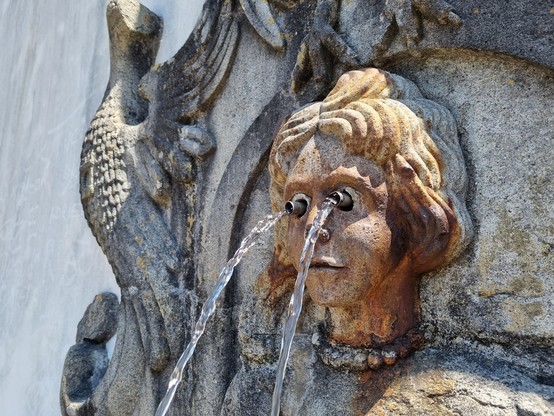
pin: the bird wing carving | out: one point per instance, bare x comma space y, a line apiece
187, 84
182, 88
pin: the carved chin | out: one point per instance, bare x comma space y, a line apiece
335, 287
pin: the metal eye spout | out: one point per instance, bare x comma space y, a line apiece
298, 207
342, 200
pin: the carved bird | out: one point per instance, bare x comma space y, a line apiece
142, 145
139, 162
139, 158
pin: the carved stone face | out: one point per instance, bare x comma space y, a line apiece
356, 257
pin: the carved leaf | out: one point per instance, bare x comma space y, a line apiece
324, 47
404, 20
260, 17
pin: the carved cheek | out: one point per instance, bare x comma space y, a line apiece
369, 244
295, 239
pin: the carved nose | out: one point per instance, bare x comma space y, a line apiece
324, 234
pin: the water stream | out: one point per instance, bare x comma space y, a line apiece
209, 307
295, 305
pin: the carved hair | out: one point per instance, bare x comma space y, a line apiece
384, 118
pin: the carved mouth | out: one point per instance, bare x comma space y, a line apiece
325, 263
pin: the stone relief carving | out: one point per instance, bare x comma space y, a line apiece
324, 50
87, 360
139, 165
406, 176
397, 155
145, 173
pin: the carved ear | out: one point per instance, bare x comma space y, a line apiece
429, 224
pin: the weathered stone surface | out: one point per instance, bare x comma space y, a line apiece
502, 288
87, 361
515, 28
458, 382
99, 322
445, 381
195, 138
84, 367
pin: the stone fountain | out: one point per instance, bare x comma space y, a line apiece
431, 294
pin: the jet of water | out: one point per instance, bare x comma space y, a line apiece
295, 305
209, 307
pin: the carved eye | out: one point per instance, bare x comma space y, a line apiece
298, 205
354, 197
342, 200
